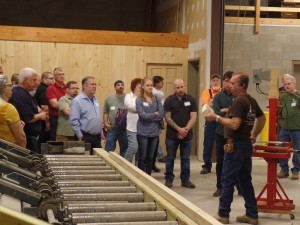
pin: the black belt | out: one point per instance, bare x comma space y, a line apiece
88, 134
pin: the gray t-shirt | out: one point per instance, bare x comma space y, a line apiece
111, 105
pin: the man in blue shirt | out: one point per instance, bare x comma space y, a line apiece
85, 114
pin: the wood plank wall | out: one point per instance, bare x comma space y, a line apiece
107, 62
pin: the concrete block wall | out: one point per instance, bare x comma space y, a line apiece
274, 47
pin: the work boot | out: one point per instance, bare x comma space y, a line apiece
217, 193
221, 219
188, 184
155, 169
283, 174
162, 160
205, 171
295, 176
247, 219
169, 183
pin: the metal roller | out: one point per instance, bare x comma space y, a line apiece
76, 218
77, 163
64, 168
135, 223
83, 172
73, 159
127, 197
109, 207
89, 183
71, 156
84, 190
89, 177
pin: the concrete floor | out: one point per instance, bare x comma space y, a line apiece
206, 185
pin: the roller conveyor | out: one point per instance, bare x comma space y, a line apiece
89, 189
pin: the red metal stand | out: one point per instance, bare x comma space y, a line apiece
276, 200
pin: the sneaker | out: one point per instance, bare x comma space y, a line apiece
169, 183
188, 184
162, 160
247, 219
295, 176
217, 193
205, 171
155, 169
283, 174
221, 219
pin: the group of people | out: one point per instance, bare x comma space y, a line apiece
53, 110
45, 109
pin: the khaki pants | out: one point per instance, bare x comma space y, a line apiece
66, 138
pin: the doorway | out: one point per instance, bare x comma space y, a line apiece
194, 90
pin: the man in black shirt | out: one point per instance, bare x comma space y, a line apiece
42, 102
180, 114
26, 106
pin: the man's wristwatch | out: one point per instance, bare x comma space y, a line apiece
217, 118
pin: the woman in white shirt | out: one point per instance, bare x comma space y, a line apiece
132, 118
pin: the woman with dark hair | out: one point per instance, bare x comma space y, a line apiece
11, 126
151, 114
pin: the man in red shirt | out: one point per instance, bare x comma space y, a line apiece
54, 93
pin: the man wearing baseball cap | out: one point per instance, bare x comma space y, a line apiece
210, 126
114, 132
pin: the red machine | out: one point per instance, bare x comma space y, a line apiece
272, 197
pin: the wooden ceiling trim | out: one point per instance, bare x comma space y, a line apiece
93, 36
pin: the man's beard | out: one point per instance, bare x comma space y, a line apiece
215, 88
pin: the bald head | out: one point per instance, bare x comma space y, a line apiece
179, 87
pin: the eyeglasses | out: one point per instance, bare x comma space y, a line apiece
8, 85
74, 88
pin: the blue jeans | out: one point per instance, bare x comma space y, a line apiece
160, 153
132, 146
114, 135
208, 143
238, 166
147, 147
185, 149
294, 137
220, 142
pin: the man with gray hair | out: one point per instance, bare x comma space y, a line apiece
85, 114
26, 106
290, 127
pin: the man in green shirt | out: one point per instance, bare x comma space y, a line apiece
64, 130
115, 133
290, 127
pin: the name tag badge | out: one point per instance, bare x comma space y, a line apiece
96, 104
146, 104
113, 108
187, 104
293, 104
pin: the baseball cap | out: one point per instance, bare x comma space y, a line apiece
118, 82
215, 75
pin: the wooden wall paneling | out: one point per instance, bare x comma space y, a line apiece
7, 57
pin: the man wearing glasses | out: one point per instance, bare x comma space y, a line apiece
64, 129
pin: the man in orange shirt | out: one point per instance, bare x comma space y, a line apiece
210, 126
